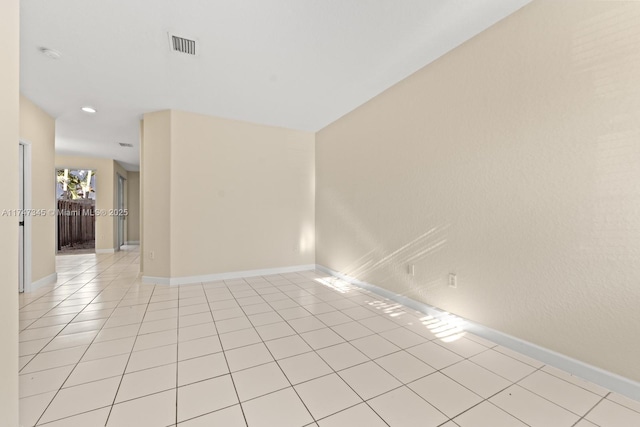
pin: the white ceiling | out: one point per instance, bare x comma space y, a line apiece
299, 64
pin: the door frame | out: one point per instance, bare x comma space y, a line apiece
27, 230
121, 203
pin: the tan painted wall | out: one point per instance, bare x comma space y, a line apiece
133, 219
142, 250
237, 196
105, 193
9, 137
37, 128
155, 174
512, 161
242, 196
119, 170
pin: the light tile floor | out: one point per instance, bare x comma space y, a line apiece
101, 348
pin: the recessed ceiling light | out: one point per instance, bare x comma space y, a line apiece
53, 54
89, 110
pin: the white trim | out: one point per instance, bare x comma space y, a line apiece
132, 242
46, 280
185, 280
106, 251
120, 185
27, 242
609, 380
156, 280
153, 280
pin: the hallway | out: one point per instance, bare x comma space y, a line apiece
297, 349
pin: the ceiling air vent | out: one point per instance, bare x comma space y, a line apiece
182, 45
125, 144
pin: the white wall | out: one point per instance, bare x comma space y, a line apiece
512, 161
9, 138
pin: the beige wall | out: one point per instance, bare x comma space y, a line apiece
9, 136
37, 129
155, 176
240, 195
133, 200
142, 251
512, 161
119, 170
105, 194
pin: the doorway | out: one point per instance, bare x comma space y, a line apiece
76, 203
120, 211
24, 221
21, 218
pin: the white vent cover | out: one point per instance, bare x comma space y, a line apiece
183, 45
125, 144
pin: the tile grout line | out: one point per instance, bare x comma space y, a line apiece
333, 370
268, 349
66, 324
365, 401
337, 310
584, 417
312, 379
72, 370
244, 416
293, 295
402, 384
177, 356
337, 372
540, 369
274, 360
124, 372
434, 340
53, 287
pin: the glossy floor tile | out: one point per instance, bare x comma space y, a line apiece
100, 348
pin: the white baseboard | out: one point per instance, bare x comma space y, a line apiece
185, 280
46, 280
106, 251
133, 242
606, 379
155, 280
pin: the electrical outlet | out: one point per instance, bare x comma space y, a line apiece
411, 270
453, 281
152, 255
